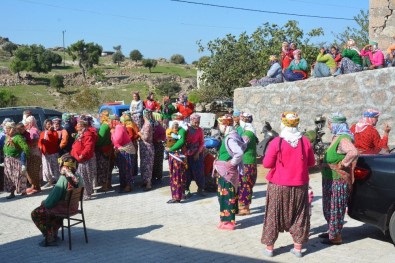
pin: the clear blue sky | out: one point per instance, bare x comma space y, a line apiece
161, 28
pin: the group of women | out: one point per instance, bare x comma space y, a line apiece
291, 66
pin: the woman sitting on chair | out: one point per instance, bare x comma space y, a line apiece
55, 201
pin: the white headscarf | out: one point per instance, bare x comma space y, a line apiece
290, 134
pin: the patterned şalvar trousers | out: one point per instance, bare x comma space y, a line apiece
247, 181
50, 167
227, 198
177, 171
88, 172
14, 179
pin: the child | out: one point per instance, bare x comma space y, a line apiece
171, 136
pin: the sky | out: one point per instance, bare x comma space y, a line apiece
162, 28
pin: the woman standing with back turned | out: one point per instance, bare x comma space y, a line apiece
287, 206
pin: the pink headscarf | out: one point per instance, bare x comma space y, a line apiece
31, 127
369, 118
120, 136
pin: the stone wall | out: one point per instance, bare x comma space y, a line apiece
349, 94
382, 22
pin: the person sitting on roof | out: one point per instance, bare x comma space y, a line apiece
373, 57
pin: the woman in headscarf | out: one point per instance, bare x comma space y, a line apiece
125, 151
337, 177
227, 168
325, 65
297, 70
286, 55
372, 56
133, 131
147, 149
247, 178
167, 109
351, 59
14, 146
185, 107
158, 138
336, 55
287, 208
367, 138
150, 103
136, 109
83, 150
49, 146
194, 153
177, 164
68, 129
274, 75
103, 152
34, 161
55, 203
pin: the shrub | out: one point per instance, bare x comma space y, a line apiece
168, 88
57, 82
135, 55
149, 63
97, 73
177, 59
7, 99
87, 100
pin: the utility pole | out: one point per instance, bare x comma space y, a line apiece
64, 51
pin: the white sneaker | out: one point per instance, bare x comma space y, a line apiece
1, 164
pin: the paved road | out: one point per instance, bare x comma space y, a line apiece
141, 227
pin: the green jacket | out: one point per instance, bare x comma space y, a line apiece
332, 157
58, 193
19, 146
171, 111
180, 142
353, 55
249, 156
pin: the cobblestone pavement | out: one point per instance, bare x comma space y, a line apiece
142, 227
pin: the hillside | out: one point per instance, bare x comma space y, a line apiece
116, 83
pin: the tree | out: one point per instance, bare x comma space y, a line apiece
10, 47
117, 48
177, 59
87, 54
118, 57
7, 99
57, 82
149, 63
135, 55
233, 61
168, 89
360, 35
34, 58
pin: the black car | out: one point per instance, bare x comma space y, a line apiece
373, 196
41, 114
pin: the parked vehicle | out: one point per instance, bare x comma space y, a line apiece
117, 107
268, 135
372, 199
41, 114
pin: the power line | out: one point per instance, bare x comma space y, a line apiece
261, 11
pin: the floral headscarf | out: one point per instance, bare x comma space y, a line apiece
339, 125
290, 128
369, 118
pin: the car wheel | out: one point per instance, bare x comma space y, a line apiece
392, 227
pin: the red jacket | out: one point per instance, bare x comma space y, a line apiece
186, 110
84, 145
50, 145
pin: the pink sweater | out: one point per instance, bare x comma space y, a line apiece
376, 58
288, 168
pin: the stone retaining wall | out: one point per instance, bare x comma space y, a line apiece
349, 94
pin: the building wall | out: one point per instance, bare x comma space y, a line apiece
382, 22
350, 94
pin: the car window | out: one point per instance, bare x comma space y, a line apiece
121, 111
107, 109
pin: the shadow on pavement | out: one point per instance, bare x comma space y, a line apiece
121, 245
